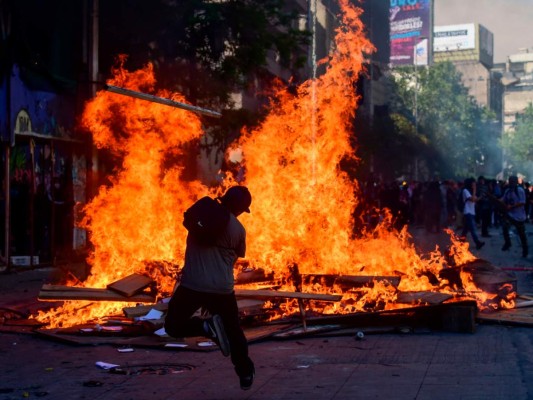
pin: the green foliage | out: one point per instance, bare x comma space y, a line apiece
204, 49
454, 127
518, 144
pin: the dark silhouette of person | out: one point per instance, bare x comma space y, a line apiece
483, 206
207, 282
514, 199
433, 206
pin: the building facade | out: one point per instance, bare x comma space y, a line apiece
517, 82
470, 47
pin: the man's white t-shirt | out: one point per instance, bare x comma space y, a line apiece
470, 206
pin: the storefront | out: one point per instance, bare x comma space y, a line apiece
43, 172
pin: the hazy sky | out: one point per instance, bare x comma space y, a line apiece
511, 21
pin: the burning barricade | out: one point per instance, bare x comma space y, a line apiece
304, 259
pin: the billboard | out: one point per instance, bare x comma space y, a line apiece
486, 46
465, 42
454, 37
410, 24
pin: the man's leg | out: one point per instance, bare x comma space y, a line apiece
226, 306
485, 222
470, 221
464, 231
182, 305
521, 229
506, 237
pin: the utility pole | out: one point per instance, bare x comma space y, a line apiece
415, 64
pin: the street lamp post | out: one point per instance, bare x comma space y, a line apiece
415, 64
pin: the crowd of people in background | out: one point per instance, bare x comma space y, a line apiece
436, 205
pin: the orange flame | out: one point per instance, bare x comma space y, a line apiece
303, 203
459, 249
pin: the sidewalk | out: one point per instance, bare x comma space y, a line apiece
496, 362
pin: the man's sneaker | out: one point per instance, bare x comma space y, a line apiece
215, 330
247, 380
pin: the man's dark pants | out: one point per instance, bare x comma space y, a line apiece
178, 322
520, 229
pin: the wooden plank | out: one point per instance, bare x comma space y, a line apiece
436, 317
485, 275
243, 293
250, 307
368, 280
422, 297
306, 331
257, 333
244, 305
456, 318
514, 316
130, 285
63, 288
253, 334
367, 330
350, 280
74, 336
285, 294
147, 341
139, 311
92, 294
253, 275
522, 304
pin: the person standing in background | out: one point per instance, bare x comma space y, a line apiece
514, 199
483, 206
469, 213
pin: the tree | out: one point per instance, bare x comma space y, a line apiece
206, 50
518, 143
448, 119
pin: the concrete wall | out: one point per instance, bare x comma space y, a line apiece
518, 89
476, 77
515, 100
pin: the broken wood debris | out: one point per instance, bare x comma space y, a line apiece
131, 284
513, 316
422, 297
286, 294
351, 281
486, 277
61, 292
140, 310
73, 336
523, 304
428, 309
245, 306
130, 288
449, 317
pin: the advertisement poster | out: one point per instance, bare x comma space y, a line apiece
454, 37
410, 26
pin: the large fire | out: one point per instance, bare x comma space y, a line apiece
303, 203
